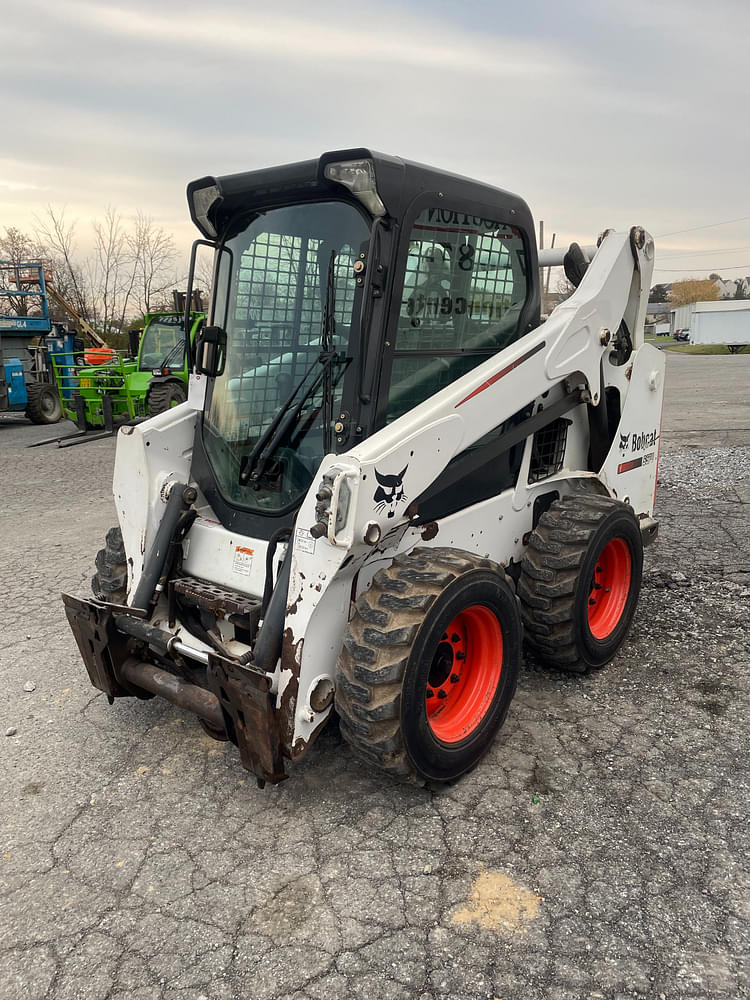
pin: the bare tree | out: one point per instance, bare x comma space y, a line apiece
153, 252
70, 278
113, 268
17, 247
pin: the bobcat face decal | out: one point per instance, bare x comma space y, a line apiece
624, 439
390, 492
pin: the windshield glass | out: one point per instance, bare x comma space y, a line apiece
265, 442
163, 344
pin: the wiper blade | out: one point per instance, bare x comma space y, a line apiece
260, 456
164, 363
255, 464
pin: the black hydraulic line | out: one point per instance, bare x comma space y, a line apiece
267, 647
599, 434
157, 638
181, 497
276, 537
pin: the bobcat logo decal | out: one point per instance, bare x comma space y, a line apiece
624, 439
390, 492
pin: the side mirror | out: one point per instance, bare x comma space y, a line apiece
211, 351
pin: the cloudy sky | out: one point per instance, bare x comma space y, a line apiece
599, 112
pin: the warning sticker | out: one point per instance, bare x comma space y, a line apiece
304, 541
243, 560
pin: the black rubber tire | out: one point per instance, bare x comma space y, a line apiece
389, 649
110, 582
163, 395
557, 575
43, 405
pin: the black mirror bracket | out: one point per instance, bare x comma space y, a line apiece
211, 351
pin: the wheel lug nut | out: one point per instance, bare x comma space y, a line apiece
430, 693
442, 694
455, 637
455, 678
592, 600
460, 655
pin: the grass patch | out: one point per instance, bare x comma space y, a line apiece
704, 349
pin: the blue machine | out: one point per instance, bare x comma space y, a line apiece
26, 379
16, 383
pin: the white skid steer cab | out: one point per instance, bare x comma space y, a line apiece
388, 474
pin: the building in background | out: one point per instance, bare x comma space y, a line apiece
726, 321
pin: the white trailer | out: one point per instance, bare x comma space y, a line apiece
721, 322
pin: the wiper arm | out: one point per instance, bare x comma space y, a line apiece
246, 470
255, 464
164, 363
261, 454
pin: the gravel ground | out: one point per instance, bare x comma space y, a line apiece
601, 850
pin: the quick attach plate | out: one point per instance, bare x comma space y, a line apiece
101, 645
249, 717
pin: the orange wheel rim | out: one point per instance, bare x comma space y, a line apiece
610, 587
464, 674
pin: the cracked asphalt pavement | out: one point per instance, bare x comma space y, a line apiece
600, 850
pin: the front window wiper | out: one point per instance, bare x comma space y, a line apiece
165, 362
254, 465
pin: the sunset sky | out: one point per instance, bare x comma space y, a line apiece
599, 114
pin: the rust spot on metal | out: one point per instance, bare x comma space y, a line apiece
291, 655
301, 747
412, 510
220, 601
429, 531
322, 695
291, 609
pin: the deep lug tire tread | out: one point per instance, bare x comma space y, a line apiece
162, 394
110, 582
550, 573
373, 661
35, 410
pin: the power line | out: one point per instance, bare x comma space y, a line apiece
730, 267
698, 253
711, 225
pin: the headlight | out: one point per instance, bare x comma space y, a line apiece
359, 177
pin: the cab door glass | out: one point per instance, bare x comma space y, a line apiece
465, 286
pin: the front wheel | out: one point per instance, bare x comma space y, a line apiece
43, 403
430, 664
110, 582
580, 581
164, 395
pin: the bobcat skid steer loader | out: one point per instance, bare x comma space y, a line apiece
388, 471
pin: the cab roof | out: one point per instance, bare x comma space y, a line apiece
398, 181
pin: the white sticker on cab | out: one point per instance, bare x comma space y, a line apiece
304, 541
243, 560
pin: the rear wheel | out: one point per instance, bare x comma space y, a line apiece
580, 581
430, 664
164, 395
110, 582
43, 404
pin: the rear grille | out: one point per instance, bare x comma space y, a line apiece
548, 450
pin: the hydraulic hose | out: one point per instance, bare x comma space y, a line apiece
181, 497
267, 647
